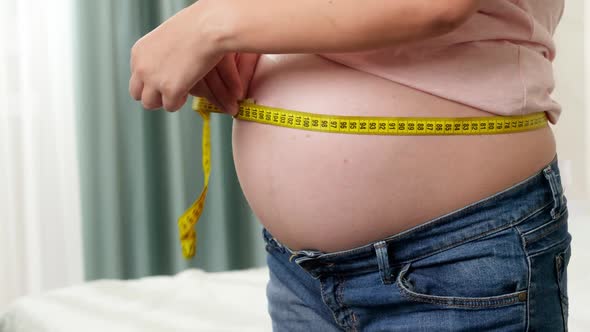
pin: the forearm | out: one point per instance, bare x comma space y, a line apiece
325, 26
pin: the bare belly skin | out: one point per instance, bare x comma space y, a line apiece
334, 192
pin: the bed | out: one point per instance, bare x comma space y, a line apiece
192, 300
195, 300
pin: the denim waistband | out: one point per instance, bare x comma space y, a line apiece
486, 216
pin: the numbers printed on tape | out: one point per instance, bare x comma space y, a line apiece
249, 111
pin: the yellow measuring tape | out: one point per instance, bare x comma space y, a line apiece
250, 111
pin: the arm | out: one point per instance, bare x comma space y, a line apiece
173, 59
324, 26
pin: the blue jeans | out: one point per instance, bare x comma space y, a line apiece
498, 264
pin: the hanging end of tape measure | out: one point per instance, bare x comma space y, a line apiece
187, 236
188, 249
188, 243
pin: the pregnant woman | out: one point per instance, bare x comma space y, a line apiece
382, 232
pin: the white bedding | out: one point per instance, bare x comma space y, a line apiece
195, 300
192, 300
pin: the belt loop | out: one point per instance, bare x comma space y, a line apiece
383, 261
556, 190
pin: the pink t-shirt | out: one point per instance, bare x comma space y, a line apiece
499, 61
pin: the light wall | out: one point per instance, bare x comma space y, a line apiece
573, 128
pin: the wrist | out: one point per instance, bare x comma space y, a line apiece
215, 25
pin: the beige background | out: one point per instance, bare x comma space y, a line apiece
572, 129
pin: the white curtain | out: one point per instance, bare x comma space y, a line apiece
40, 236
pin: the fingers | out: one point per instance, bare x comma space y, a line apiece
223, 86
173, 104
151, 98
246, 67
202, 90
222, 94
135, 87
228, 72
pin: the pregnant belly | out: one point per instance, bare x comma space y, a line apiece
335, 192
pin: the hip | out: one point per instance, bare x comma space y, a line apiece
499, 264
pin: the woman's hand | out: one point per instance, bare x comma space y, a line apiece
169, 61
228, 82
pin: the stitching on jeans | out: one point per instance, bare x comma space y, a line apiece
546, 224
556, 193
324, 294
460, 302
533, 214
529, 277
456, 244
345, 308
544, 250
383, 262
474, 238
559, 265
549, 228
528, 302
465, 302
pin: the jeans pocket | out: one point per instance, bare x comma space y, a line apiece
561, 263
490, 272
406, 287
